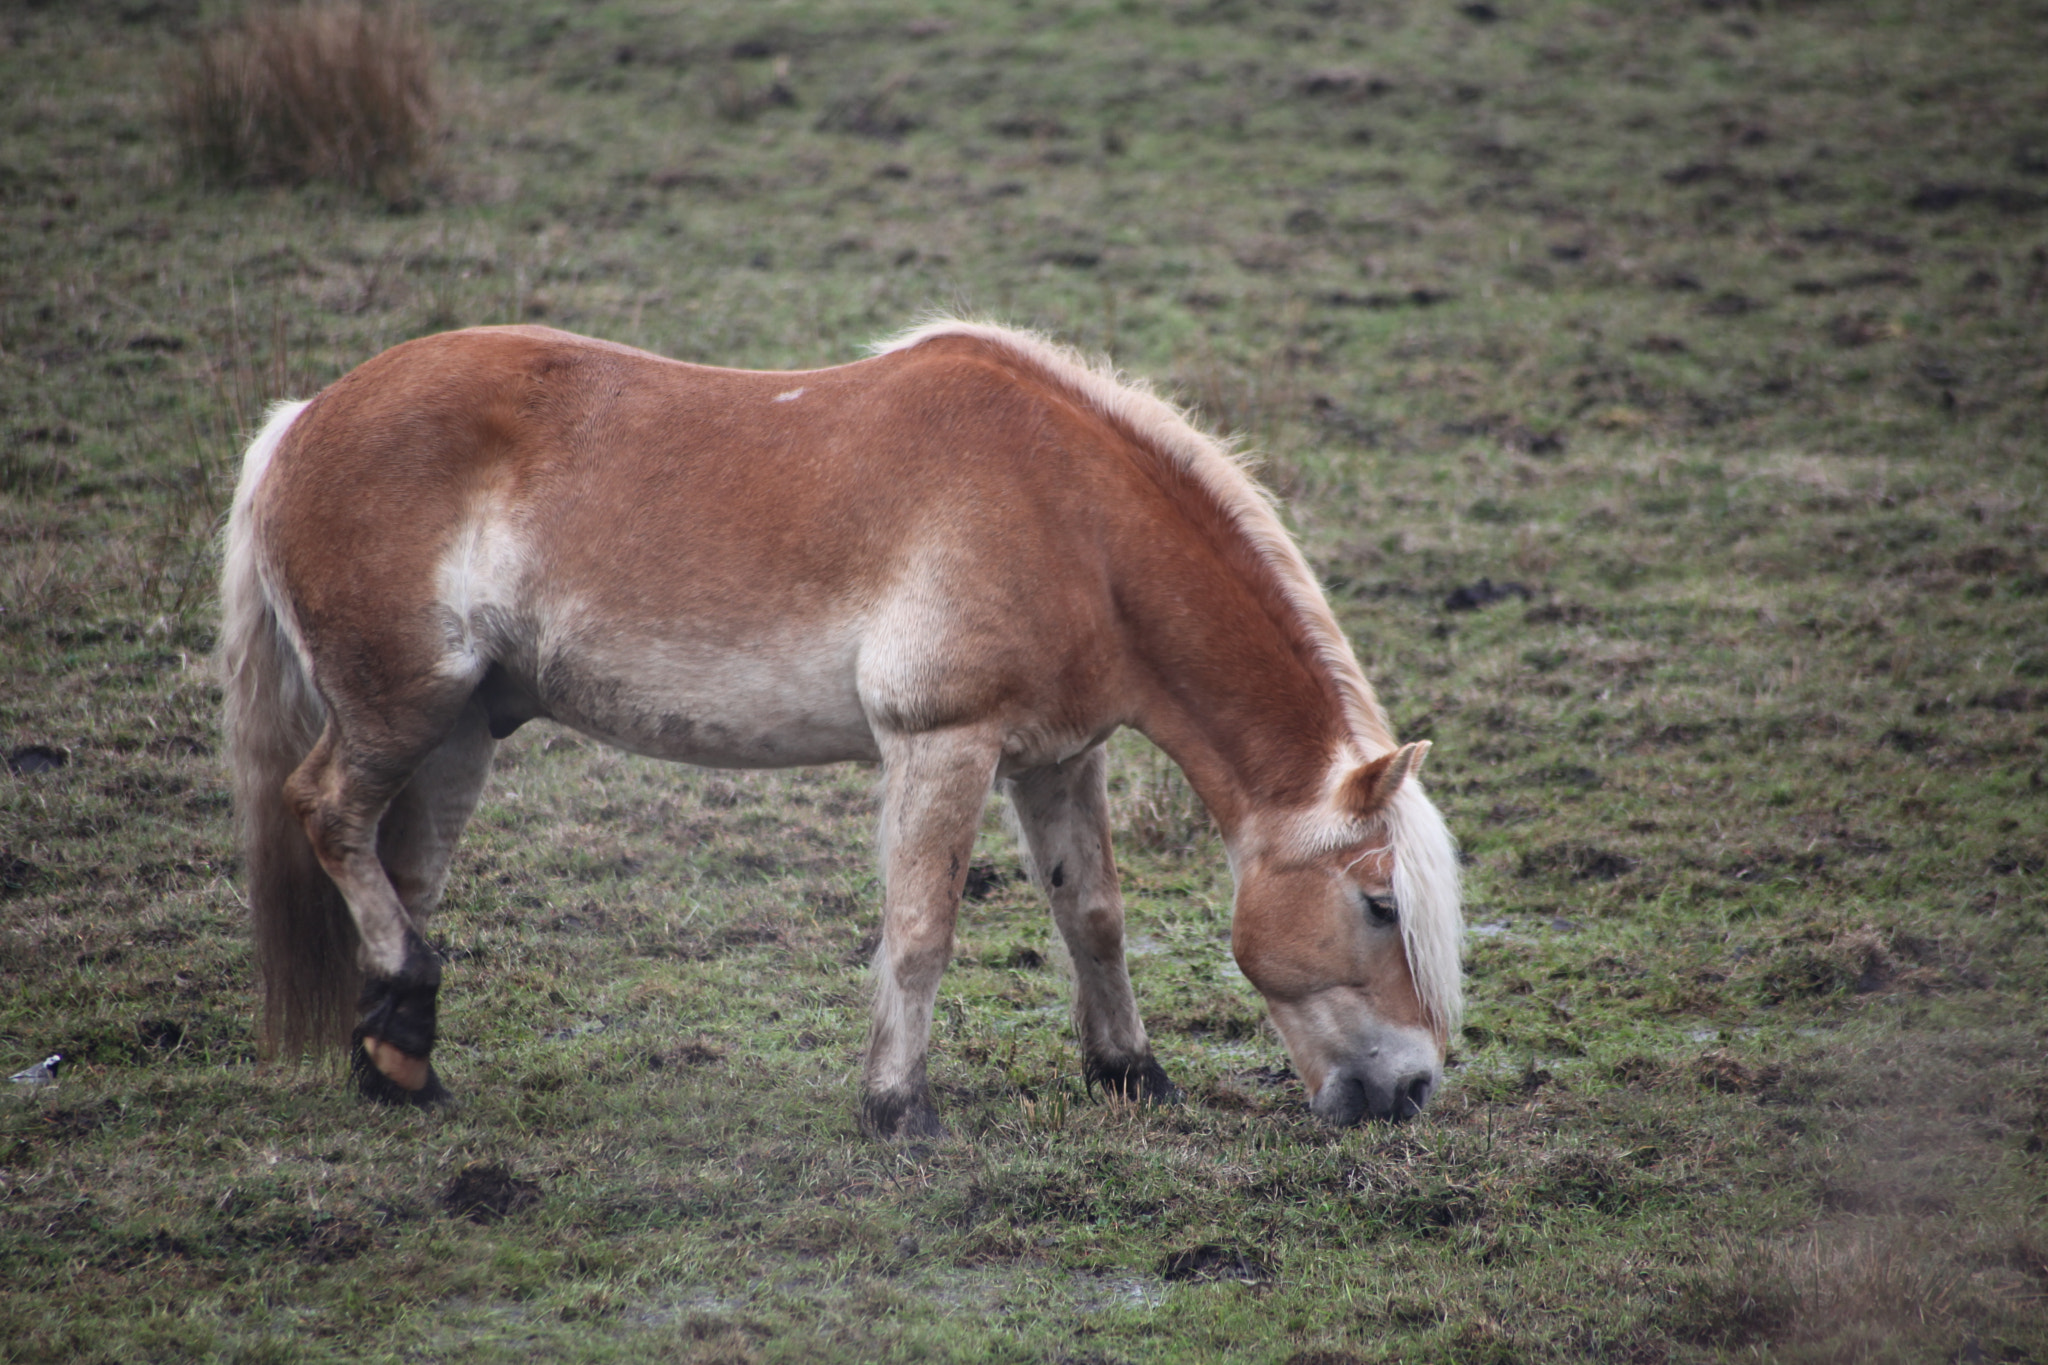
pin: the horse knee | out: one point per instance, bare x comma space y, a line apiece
913, 960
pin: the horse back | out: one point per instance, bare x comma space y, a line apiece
928, 531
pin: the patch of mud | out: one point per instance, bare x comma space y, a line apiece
486, 1191
985, 879
1210, 1262
1484, 593
31, 759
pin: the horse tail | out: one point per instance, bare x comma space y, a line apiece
305, 937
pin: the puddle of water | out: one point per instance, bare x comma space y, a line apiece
1708, 1035
1125, 1293
1144, 945
1486, 930
667, 1311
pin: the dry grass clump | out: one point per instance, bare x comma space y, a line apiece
1152, 805
339, 91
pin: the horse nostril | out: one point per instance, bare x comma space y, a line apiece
1411, 1094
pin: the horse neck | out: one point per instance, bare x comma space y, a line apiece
1235, 692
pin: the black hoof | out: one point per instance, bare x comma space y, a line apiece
1133, 1078
395, 1016
400, 1009
901, 1116
373, 1084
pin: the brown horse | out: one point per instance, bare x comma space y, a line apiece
971, 557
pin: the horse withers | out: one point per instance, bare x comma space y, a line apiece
970, 557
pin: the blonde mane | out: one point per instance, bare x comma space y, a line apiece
1426, 865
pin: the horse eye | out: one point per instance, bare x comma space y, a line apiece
1382, 910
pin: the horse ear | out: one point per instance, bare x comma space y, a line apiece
1365, 793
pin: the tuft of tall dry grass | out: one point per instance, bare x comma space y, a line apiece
1152, 805
337, 90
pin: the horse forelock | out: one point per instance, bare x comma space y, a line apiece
1221, 471
1426, 888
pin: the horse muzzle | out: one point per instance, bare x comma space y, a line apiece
1353, 1094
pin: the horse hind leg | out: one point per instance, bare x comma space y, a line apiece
416, 841
345, 793
1063, 813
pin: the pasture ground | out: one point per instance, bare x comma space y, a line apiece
1709, 336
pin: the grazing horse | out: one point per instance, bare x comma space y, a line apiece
970, 557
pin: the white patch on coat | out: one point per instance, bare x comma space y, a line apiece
789, 396
781, 694
479, 575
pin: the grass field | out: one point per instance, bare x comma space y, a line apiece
1709, 337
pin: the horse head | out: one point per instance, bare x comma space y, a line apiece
1349, 926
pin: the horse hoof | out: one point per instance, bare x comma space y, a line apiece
1141, 1079
388, 1076
901, 1117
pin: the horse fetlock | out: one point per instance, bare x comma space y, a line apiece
396, 1021
1139, 1078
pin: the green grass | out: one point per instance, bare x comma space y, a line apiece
1716, 328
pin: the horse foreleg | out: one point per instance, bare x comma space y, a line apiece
341, 803
934, 788
1063, 813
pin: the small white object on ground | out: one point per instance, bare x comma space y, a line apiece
42, 1073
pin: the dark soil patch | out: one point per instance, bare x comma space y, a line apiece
1941, 198
1729, 303
985, 879
697, 1052
1269, 1076
1722, 1071
1022, 958
1909, 741
1214, 1023
1388, 298
1858, 960
16, 875
1564, 775
1582, 862
30, 759
1485, 593
162, 1035
1210, 1262
487, 1191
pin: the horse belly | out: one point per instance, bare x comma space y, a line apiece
770, 703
